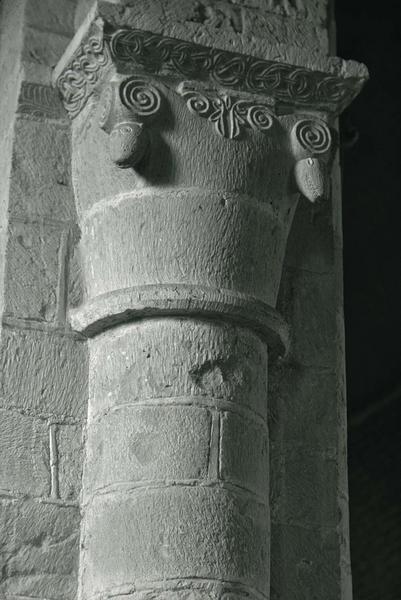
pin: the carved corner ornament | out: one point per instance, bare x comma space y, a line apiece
311, 142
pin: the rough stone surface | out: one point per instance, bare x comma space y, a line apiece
69, 451
40, 176
43, 374
38, 549
176, 482
177, 358
138, 445
209, 533
279, 29
35, 260
244, 454
24, 447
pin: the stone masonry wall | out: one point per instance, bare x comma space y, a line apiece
42, 363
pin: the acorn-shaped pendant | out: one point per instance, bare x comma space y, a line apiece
128, 144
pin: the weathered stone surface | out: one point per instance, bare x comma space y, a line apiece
70, 455
38, 550
43, 47
305, 563
157, 229
178, 358
35, 263
43, 374
267, 29
179, 532
24, 450
303, 409
40, 176
141, 445
301, 490
244, 454
311, 242
56, 16
313, 339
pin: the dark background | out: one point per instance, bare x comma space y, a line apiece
371, 167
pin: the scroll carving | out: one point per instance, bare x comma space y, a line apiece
228, 113
287, 83
311, 144
311, 137
125, 108
291, 86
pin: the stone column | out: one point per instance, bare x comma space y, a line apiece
188, 163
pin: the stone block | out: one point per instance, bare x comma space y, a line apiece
70, 454
43, 374
308, 301
24, 451
178, 358
44, 47
179, 532
303, 489
34, 266
38, 550
303, 407
40, 183
244, 453
148, 444
277, 23
56, 16
310, 243
305, 563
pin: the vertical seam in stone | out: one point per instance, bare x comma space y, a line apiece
214, 452
54, 474
220, 445
62, 277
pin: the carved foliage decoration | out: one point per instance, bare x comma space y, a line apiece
78, 81
228, 113
287, 83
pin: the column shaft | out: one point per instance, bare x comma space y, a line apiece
176, 477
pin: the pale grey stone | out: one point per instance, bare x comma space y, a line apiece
24, 449
209, 533
35, 257
41, 175
69, 461
145, 445
43, 374
38, 549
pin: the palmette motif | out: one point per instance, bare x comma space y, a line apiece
228, 113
